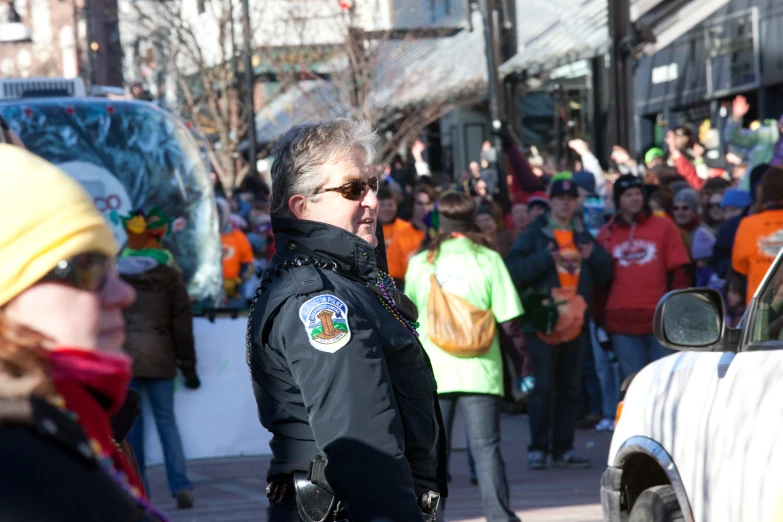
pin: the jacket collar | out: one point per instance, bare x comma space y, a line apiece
546, 226
301, 238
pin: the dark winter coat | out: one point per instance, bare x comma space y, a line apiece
368, 403
49, 472
159, 324
532, 266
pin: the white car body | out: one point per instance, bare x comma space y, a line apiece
713, 422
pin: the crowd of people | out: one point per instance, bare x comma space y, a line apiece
541, 298
668, 221
587, 254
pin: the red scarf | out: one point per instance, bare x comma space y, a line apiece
94, 385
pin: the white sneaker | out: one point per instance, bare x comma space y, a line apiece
605, 425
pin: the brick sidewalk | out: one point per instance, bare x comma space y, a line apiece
232, 490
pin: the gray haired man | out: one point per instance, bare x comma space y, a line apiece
340, 378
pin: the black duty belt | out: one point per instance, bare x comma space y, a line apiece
309, 493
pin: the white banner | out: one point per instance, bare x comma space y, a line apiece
220, 419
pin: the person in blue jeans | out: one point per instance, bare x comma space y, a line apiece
650, 259
458, 260
607, 369
159, 329
557, 254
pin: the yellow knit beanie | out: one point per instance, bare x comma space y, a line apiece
45, 217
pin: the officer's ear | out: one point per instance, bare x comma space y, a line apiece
298, 206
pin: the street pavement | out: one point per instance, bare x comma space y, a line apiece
232, 489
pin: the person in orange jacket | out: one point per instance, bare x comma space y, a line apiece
401, 237
759, 237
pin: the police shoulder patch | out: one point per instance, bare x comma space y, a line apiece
325, 318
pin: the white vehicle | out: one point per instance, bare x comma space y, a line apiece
699, 436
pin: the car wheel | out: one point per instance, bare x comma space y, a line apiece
657, 504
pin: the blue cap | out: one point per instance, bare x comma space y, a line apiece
584, 179
736, 198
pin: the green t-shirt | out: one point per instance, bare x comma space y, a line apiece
478, 275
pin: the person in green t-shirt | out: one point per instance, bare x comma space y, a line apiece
465, 266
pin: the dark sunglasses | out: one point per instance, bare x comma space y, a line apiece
354, 190
682, 208
84, 272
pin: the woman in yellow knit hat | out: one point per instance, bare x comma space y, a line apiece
62, 370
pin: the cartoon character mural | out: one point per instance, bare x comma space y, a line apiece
128, 155
109, 195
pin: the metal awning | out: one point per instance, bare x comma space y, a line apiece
576, 30
675, 24
408, 73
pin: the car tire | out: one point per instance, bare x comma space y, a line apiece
657, 504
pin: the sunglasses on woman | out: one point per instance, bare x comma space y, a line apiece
354, 190
83, 271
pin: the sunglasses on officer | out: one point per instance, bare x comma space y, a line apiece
354, 190
87, 272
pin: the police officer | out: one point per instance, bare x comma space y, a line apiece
339, 376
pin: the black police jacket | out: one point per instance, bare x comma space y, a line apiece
50, 474
336, 374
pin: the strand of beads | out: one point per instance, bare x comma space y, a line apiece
108, 465
387, 286
122, 481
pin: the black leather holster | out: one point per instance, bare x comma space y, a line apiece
315, 501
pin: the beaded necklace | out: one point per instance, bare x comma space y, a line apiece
387, 286
105, 461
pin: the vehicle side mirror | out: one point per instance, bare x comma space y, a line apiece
692, 319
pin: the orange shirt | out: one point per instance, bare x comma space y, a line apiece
402, 241
759, 239
569, 265
236, 252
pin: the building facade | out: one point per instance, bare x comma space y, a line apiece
69, 39
737, 50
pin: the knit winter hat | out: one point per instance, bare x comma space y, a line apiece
736, 198
703, 244
625, 182
47, 217
538, 198
689, 197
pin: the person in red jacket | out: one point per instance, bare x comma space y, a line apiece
650, 259
682, 163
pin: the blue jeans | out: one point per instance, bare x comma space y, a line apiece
591, 387
482, 420
471, 464
553, 405
608, 377
161, 399
637, 351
